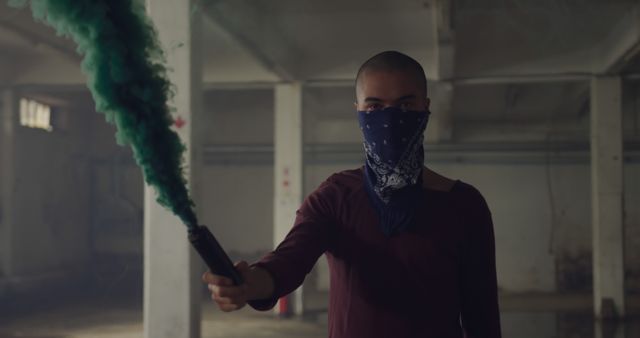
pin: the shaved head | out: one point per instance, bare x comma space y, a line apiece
393, 61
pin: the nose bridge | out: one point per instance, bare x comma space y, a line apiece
393, 104
389, 103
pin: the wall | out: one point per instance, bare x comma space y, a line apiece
49, 200
6, 173
543, 236
83, 193
242, 220
116, 194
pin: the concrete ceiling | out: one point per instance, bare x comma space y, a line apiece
326, 40
20, 34
302, 39
268, 40
329, 39
528, 37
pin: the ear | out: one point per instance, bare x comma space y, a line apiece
427, 103
355, 105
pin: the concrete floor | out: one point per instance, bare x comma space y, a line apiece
523, 317
106, 319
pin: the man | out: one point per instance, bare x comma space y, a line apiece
411, 253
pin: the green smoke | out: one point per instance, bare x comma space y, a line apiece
128, 80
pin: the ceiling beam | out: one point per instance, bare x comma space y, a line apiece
621, 45
35, 39
256, 32
527, 78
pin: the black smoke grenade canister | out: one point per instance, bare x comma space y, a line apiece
212, 253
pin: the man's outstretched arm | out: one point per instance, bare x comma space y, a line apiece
284, 269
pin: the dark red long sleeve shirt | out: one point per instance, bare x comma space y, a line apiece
437, 279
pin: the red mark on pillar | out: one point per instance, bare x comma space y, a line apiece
179, 122
285, 181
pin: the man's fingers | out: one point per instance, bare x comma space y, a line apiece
242, 266
210, 278
225, 291
227, 308
227, 300
228, 304
230, 307
221, 301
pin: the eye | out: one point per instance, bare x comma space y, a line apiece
373, 106
406, 105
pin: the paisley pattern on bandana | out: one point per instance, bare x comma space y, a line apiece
393, 144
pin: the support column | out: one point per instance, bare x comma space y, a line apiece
609, 329
440, 128
172, 288
8, 123
288, 169
444, 37
606, 193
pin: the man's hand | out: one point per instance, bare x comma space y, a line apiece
258, 284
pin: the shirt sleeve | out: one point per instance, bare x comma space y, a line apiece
310, 237
480, 315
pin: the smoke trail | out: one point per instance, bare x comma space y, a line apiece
128, 80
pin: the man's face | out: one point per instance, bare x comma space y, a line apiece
381, 89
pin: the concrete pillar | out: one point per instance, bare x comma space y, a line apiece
440, 127
288, 169
8, 123
444, 36
606, 192
609, 329
172, 287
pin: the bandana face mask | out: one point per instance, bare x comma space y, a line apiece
393, 141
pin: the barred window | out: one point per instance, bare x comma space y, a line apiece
34, 114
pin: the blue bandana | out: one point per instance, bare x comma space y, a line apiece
395, 156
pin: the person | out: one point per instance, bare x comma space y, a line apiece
410, 252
